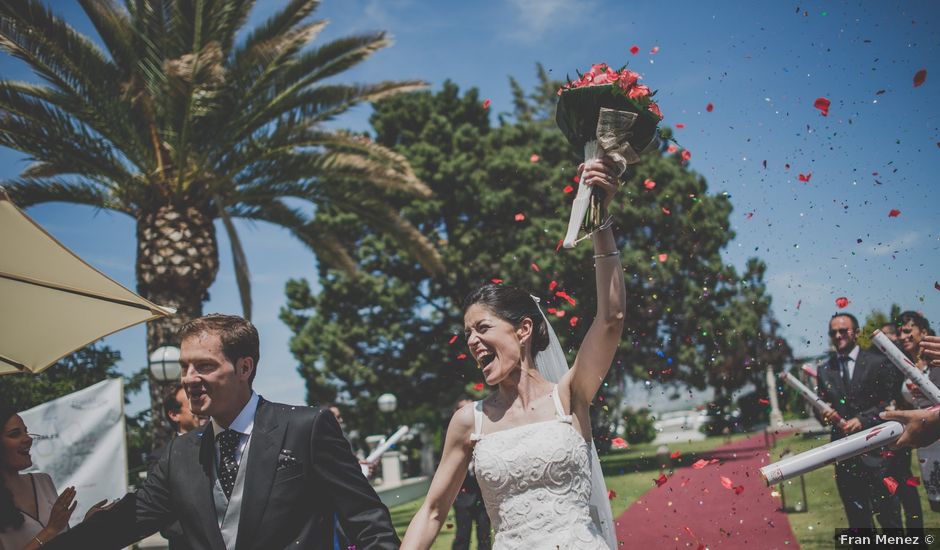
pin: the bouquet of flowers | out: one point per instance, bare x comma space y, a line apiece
605, 112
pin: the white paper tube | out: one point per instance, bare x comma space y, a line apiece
813, 399
843, 449
582, 200
375, 455
905, 365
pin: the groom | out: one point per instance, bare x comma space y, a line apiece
259, 476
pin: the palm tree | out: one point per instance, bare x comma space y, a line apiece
178, 123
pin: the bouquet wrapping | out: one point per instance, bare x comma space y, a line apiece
812, 398
842, 449
905, 365
605, 113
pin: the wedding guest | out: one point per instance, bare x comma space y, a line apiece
912, 328
31, 512
259, 475
859, 384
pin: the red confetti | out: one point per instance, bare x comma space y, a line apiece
450, 525
634, 50
891, 484
919, 77
611, 494
486, 103
576, 179
700, 463
726, 482
564, 295
842, 302
798, 303
749, 215
496, 281
560, 313
520, 217
822, 104
655, 50
763, 401
894, 213
675, 455
739, 489
552, 285
649, 184
535, 267
673, 148
686, 155
478, 386
689, 531
680, 126
558, 246
551, 310
661, 480
452, 339
709, 107
663, 257
573, 321
462, 356
806, 177
913, 481
534, 158
936, 285
666, 211
619, 443
568, 189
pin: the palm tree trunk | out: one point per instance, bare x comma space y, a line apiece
177, 262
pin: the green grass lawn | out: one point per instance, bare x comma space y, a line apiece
628, 473
815, 525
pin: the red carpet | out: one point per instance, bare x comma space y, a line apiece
694, 509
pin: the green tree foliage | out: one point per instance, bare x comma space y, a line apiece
77, 371
875, 320
498, 212
638, 426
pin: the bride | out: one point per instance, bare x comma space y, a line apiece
529, 442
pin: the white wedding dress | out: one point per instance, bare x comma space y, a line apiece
536, 484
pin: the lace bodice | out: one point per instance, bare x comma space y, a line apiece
536, 484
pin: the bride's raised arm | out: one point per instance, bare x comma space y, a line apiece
600, 343
448, 478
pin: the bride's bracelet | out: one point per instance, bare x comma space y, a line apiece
607, 254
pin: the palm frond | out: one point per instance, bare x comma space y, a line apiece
29, 191
276, 25
239, 259
114, 28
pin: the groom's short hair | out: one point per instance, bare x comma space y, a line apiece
238, 336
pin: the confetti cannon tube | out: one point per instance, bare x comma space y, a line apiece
842, 449
375, 455
813, 399
905, 365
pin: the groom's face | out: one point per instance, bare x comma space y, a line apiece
215, 386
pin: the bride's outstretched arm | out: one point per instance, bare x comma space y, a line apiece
601, 341
448, 478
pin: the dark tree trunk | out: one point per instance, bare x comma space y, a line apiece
177, 261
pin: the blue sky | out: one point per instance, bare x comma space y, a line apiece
761, 64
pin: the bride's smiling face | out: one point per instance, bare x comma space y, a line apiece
494, 343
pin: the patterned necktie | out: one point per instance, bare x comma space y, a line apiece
228, 467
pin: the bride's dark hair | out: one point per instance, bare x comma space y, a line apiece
512, 305
9, 515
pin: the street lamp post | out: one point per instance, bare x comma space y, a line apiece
391, 463
164, 366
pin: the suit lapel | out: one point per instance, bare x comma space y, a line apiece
200, 483
836, 381
266, 437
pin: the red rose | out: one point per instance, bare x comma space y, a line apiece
654, 108
638, 91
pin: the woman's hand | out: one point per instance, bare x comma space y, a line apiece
921, 426
62, 510
930, 351
99, 506
602, 174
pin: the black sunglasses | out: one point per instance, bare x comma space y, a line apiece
833, 332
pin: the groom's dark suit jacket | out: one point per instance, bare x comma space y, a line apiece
301, 471
875, 382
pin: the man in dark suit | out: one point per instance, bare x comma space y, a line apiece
259, 476
859, 384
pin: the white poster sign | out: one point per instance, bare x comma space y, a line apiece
80, 442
